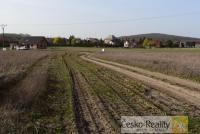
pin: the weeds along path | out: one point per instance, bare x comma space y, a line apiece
89, 112
176, 91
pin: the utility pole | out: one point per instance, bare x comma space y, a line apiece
3, 28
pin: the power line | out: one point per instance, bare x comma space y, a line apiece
119, 21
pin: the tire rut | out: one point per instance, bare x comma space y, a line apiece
83, 117
89, 116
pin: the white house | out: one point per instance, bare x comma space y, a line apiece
110, 40
126, 44
197, 44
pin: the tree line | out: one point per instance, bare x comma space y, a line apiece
140, 43
76, 42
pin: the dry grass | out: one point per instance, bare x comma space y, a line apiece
178, 63
14, 65
16, 101
43, 101
15, 61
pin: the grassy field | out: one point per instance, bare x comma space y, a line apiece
56, 91
183, 63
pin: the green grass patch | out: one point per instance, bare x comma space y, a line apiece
194, 125
53, 110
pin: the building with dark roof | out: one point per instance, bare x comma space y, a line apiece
32, 42
7, 40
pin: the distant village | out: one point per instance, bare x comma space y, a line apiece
23, 42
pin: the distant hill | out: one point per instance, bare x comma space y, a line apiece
161, 37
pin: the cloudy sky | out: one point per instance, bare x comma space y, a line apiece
99, 18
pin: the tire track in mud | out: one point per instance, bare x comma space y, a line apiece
82, 113
89, 114
96, 106
180, 93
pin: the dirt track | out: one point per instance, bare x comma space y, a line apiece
181, 89
33, 82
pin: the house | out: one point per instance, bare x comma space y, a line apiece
32, 42
187, 44
126, 44
111, 40
7, 41
78, 41
197, 44
130, 44
92, 40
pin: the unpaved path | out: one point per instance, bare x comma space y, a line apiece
179, 92
171, 79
